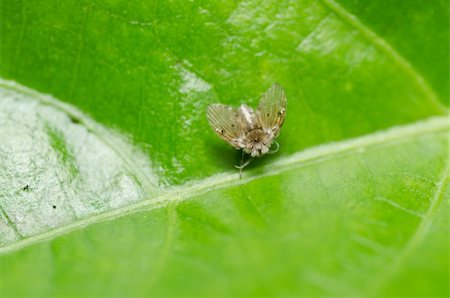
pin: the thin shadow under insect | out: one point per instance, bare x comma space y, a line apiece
253, 131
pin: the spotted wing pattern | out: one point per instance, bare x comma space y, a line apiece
226, 122
272, 108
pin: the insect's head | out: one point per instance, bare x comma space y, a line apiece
257, 142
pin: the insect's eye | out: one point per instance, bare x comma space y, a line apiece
268, 114
279, 113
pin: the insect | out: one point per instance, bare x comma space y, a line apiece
253, 131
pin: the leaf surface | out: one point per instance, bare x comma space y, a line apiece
115, 185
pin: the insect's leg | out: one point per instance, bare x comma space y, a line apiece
242, 162
276, 150
245, 164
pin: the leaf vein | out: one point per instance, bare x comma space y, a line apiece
149, 187
390, 52
305, 158
398, 206
10, 222
21, 34
420, 233
166, 249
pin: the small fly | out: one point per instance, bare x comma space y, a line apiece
253, 131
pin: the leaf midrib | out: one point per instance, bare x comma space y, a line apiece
322, 153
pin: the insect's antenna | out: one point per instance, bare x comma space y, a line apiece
276, 150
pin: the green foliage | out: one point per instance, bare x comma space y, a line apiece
354, 203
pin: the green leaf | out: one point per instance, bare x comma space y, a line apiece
397, 22
114, 185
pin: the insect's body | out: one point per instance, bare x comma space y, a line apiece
255, 139
253, 131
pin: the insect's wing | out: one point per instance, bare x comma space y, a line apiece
226, 123
272, 108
